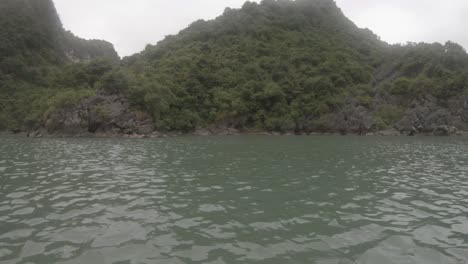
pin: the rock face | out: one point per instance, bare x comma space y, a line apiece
389, 132
426, 116
464, 110
353, 119
100, 114
110, 114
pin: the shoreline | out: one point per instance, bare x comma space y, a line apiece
227, 132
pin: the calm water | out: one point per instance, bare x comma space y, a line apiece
327, 200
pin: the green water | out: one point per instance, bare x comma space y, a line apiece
327, 200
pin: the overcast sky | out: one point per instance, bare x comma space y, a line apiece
131, 24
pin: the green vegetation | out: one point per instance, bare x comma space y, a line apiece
278, 65
435, 69
37, 70
268, 66
25, 104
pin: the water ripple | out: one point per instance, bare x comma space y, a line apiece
234, 200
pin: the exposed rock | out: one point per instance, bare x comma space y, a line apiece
424, 116
202, 132
354, 119
444, 131
221, 129
389, 132
154, 134
228, 132
35, 134
105, 115
441, 131
462, 133
135, 136
100, 114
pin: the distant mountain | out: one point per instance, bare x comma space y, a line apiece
278, 66
32, 42
32, 32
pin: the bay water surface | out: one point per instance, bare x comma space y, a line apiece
244, 199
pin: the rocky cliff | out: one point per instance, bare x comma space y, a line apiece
103, 113
110, 115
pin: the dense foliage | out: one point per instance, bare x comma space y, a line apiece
272, 66
283, 65
36, 56
278, 65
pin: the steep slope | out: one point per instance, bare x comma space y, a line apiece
32, 33
297, 66
278, 66
423, 88
34, 48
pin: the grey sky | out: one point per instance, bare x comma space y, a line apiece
131, 24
